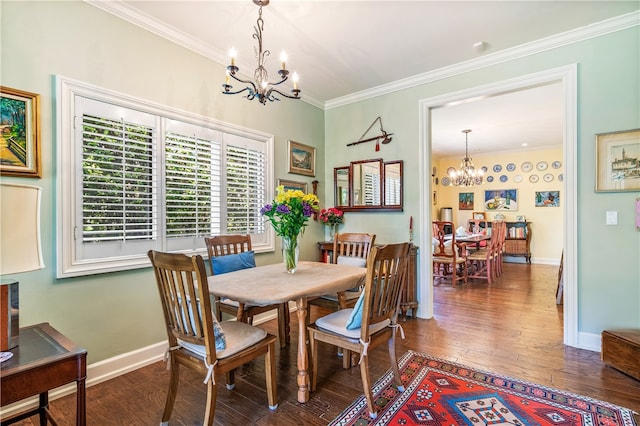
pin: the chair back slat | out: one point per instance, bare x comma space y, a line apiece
386, 274
185, 304
352, 244
222, 245
445, 246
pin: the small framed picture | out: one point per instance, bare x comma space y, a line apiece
293, 185
547, 199
302, 159
618, 161
20, 133
465, 201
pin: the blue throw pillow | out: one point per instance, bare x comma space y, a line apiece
233, 262
355, 320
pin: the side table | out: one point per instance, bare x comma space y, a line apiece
43, 360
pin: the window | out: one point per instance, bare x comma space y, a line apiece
135, 176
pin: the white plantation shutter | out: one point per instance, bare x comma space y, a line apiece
192, 184
116, 214
135, 176
245, 185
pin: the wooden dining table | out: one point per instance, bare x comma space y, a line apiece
471, 238
271, 284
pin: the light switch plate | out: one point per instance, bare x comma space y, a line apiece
612, 218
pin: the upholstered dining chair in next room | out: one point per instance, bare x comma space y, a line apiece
228, 253
372, 321
197, 340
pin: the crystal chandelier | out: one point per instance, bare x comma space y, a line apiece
466, 175
260, 87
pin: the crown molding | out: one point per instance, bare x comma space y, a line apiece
622, 22
619, 23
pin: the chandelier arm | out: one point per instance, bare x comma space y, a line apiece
296, 96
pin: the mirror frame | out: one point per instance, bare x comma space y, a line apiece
337, 195
383, 206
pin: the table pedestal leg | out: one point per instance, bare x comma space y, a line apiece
303, 357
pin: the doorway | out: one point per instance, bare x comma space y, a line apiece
567, 78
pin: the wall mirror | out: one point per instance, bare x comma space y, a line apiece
369, 185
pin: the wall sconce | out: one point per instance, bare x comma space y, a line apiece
386, 137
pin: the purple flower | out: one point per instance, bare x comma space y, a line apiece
265, 209
283, 209
307, 210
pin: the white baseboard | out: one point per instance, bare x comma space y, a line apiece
111, 368
590, 341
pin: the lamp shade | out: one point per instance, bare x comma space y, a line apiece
20, 248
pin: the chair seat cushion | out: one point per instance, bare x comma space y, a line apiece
349, 295
238, 335
336, 322
352, 261
233, 262
448, 259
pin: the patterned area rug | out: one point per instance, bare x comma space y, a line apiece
444, 393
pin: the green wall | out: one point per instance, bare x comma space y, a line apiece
112, 314
608, 95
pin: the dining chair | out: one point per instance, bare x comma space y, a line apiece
449, 256
372, 321
348, 249
232, 252
483, 263
197, 340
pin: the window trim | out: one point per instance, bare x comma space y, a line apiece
66, 90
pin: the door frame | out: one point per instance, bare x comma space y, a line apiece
567, 77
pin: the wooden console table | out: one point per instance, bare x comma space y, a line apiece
43, 360
408, 299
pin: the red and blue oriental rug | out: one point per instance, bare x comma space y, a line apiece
443, 393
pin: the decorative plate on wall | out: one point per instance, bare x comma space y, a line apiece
489, 179
526, 166
547, 177
556, 164
478, 180
517, 178
542, 165
533, 178
511, 167
484, 169
560, 177
497, 168
445, 181
504, 178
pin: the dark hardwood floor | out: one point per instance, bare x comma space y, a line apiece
512, 327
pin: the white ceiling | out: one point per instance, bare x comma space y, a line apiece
349, 49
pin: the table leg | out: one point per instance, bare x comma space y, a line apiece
81, 405
44, 407
303, 353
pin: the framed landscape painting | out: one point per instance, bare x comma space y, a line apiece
302, 159
19, 133
618, 161
293, 185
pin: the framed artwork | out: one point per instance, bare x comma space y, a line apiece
501, 199
618, 161
465, 201
291, 184
479, 216
547, 199
302, 159
20, 133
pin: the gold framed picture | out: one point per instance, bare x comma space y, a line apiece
618, 161
291, 184
19, 133
302, 159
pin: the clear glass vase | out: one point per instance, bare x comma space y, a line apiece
290, 253
333, 230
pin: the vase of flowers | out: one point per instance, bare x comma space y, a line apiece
332, 217
289, 214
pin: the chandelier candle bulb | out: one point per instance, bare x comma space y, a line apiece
232, 55
283, 59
